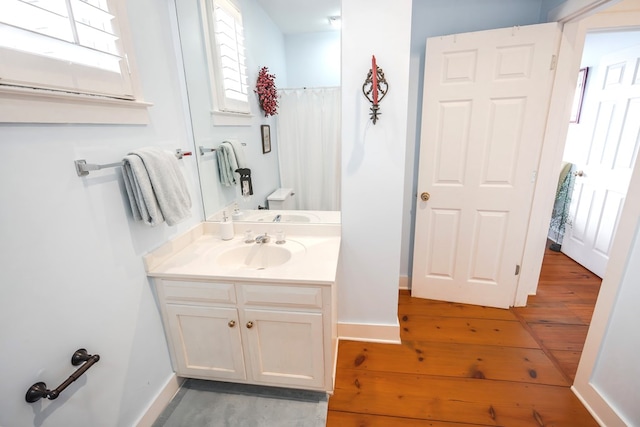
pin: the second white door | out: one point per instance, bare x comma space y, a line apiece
485, 104
610, 126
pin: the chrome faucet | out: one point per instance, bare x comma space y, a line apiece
277, 218
263, 238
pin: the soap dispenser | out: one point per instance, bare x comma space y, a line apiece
237, 213
226, 227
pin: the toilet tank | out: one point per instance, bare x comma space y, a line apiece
282, 198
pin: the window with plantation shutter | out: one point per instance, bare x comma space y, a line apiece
227, 56
64, 48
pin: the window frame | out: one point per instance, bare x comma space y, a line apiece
221, 116
37, 103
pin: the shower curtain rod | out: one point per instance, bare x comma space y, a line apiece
309, 88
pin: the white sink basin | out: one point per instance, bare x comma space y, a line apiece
258, 256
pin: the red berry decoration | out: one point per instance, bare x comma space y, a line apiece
267, 92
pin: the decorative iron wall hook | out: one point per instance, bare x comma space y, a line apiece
375, 88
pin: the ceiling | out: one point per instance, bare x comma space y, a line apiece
301, 16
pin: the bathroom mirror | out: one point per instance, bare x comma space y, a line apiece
296, 40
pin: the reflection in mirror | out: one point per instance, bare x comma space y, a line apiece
296, 41
289, 216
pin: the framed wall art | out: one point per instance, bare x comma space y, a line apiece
265, 130
579, 95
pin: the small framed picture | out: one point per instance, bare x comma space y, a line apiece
266, 138
579, 95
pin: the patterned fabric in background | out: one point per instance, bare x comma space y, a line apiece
560, 213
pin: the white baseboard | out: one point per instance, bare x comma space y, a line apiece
587, 406
387, 334
161, 401
404, 283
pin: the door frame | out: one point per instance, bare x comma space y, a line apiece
568, 64
572, 44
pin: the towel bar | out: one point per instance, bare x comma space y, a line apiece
204, 150
39, 389
83, 168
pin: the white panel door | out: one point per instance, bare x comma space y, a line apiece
485, 102
206, 342
612, 137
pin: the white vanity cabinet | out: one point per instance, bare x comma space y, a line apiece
258, 333
201, 323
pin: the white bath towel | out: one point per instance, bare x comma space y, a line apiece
239, 152
156, 187
246, 187
227, 164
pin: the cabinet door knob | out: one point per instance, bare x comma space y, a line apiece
249, 324
232, 323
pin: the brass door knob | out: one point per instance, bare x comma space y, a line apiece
425, 196
232, 323
249, 324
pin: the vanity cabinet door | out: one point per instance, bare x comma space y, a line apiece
284, 347
206, 341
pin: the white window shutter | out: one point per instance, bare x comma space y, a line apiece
227, 56
63, 45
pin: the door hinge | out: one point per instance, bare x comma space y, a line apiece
554, 62
517, 270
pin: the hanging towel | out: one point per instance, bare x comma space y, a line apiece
231, 160
156, 187
227, 164
239, 152
246, 186
564, 171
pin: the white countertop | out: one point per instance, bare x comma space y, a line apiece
193, 255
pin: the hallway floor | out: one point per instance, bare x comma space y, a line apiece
462, 365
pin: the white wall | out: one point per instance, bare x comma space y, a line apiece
373, 160
617, 371
313, 59
430, 19
265, 47
71, 272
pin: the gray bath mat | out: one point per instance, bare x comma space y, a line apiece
217, 404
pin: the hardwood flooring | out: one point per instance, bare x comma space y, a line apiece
462, 366
560, 313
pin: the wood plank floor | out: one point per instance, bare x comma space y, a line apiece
560, 313
462, 366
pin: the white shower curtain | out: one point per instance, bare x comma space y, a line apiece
309, 146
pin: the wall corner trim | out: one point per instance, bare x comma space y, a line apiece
385, 334
587, 406
404, 283
574, 10
161, 401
